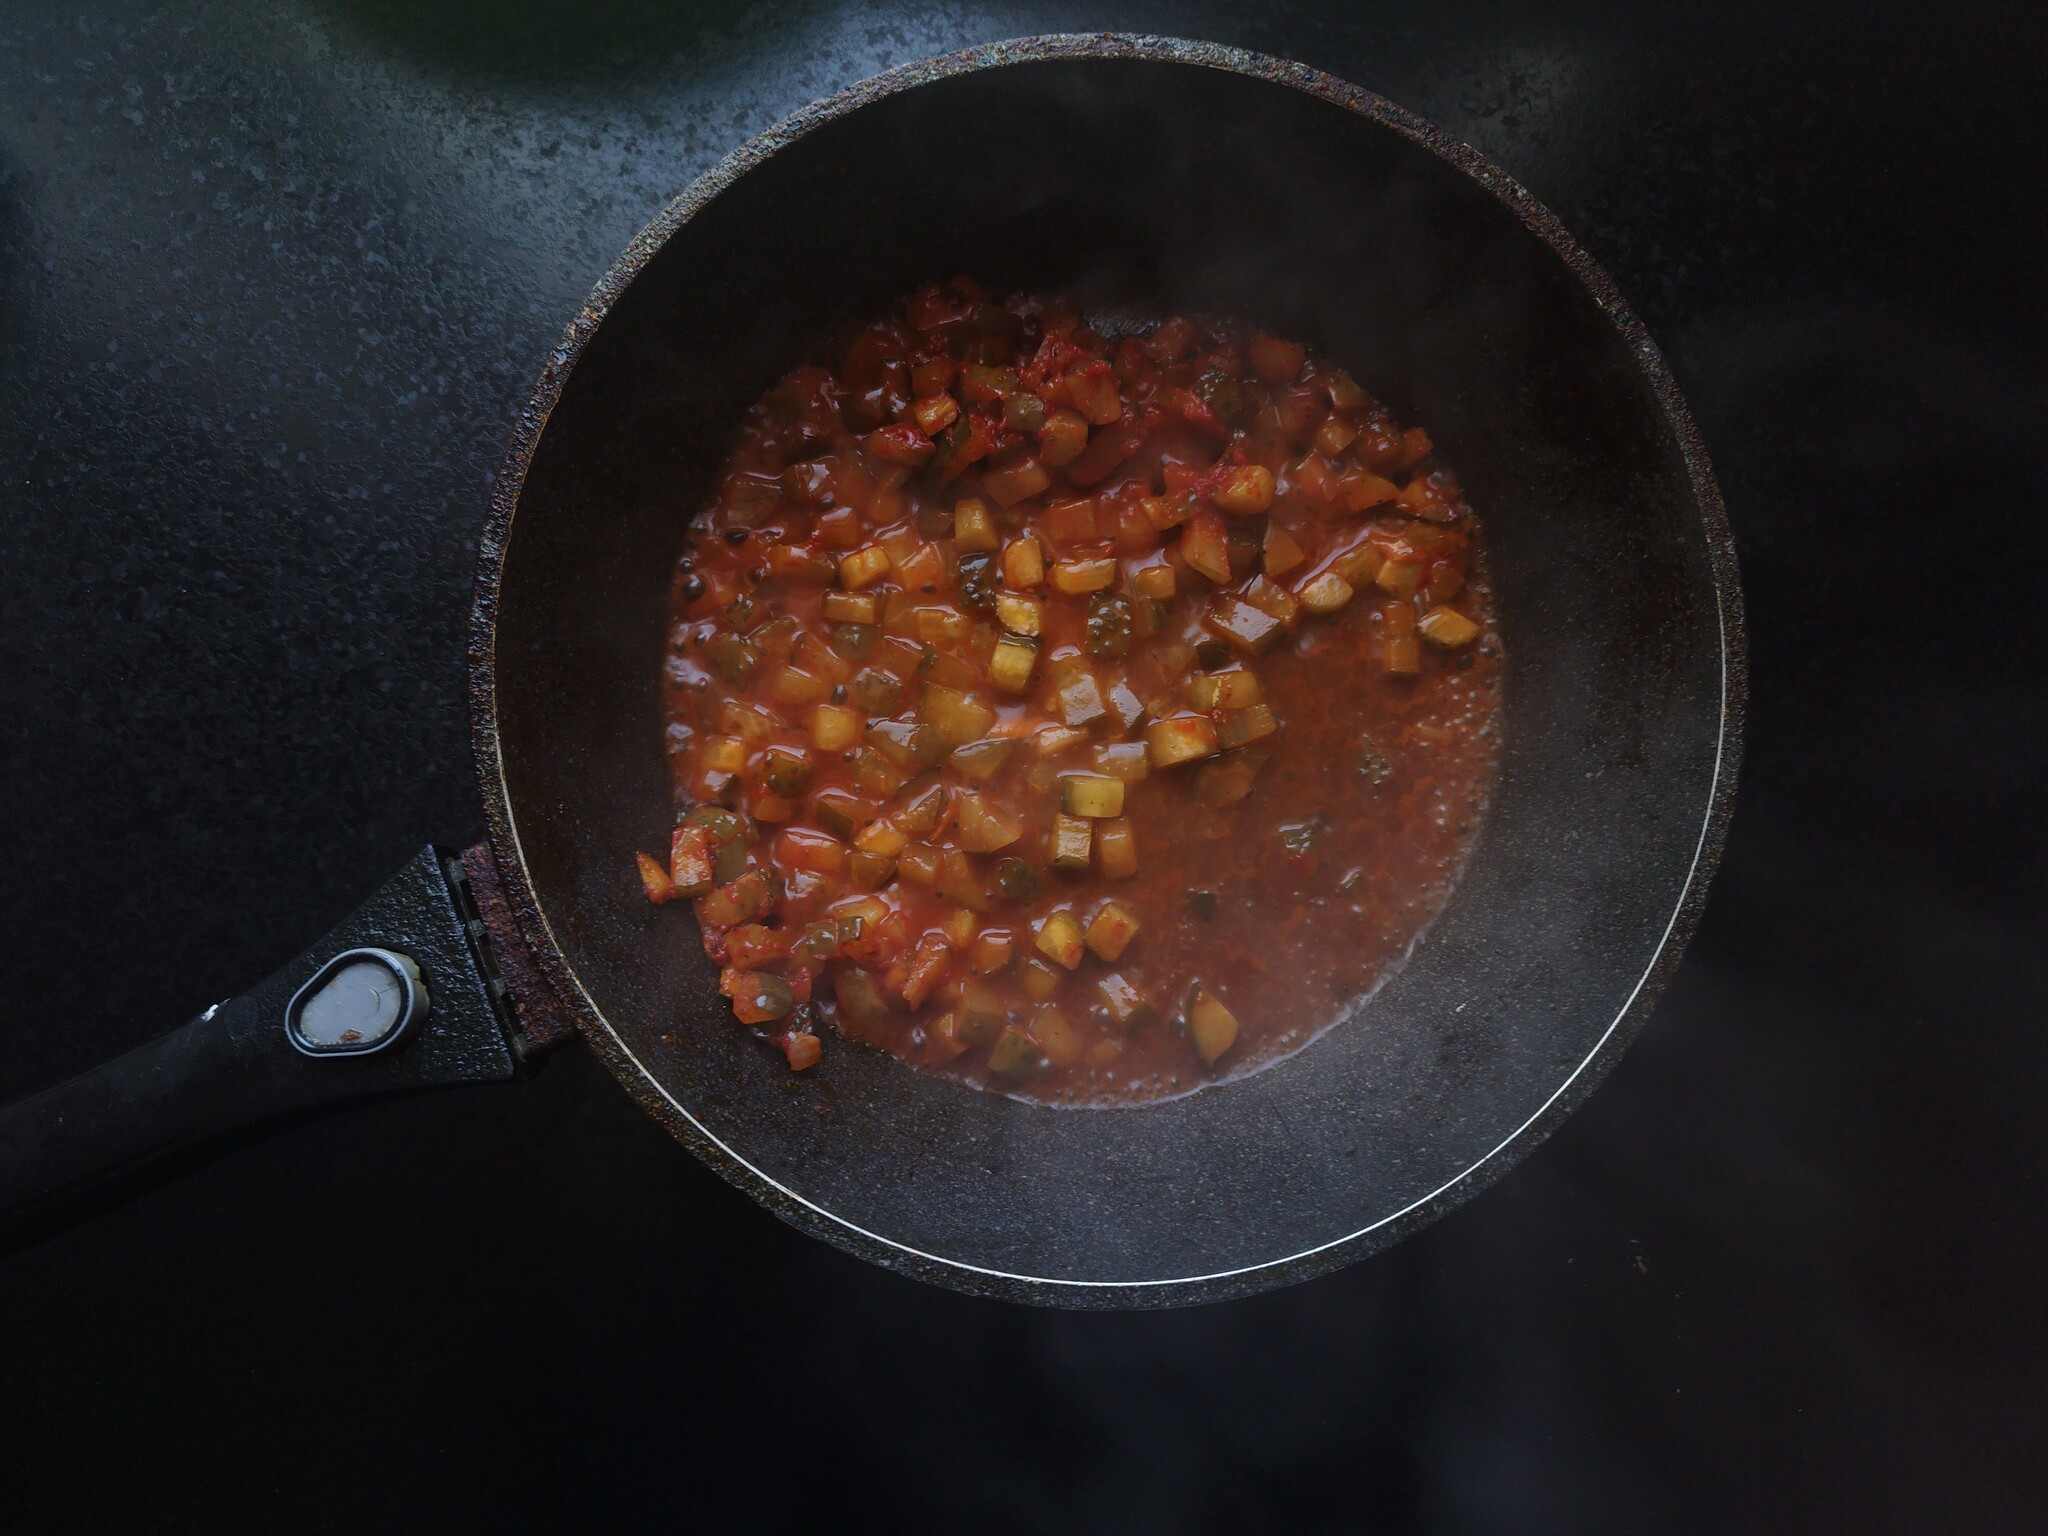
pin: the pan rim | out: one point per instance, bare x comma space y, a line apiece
788, 1203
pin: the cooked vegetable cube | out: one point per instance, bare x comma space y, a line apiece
1249, 629
1011, 662
919, 862
1325, 593
1281, 552
757, 996
869, 871
1400, 652
1027, 477
691, 863
1095, 796
876, 773
863, 568
1056, 1036
928, 966
1108, 630
882, 837
1111, 931
977, 572
907, 744
1398, 578
834, 729
1246, 491
1051, 740
1125, 760
1015, 1054
1071, 521
1024, 412
1060, 938
1062, 438
1205, 546
1125, 706
973, 528
1182, 739
898, 443
1224, 690
802, 848
980, 1014
1154, 581
1040, 978
993, 948
1211, 1026
801, 1049
725, 754
1239, 726
1078, 576
1092, 389
984, 825
982, 759
1023, 563
655, 880
1273, 600
1126, 1004
1360, 566
1072, 837
959, 718
730, 656
934, 413
1080, 698
1335, 435
1447, 627
1362, 490
959, 882
1020, 615
785, 770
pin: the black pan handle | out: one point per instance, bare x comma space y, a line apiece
402, 996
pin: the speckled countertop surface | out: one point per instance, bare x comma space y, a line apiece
273, 279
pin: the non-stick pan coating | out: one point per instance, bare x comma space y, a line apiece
1165, 176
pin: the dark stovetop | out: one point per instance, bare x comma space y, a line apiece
272, 279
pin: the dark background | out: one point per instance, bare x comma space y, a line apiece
272, 280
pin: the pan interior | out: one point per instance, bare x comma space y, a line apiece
1152, 186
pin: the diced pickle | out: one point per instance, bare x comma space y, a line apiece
1108, 631
978, 580
1060, 938
1011, 663
1224, 690
1017, 881
1015, 1054
849, 608
785, 770
958, 718
730, 656
1182, 739
1072, 837
1326, 593
1111, 930
1020, 615
907, 744
873, 691
1125, 760
1239, 726
1447, 627
1250, 630
1095, 796
1211, 1026
982, 759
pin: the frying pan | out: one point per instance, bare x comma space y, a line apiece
1130, 173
